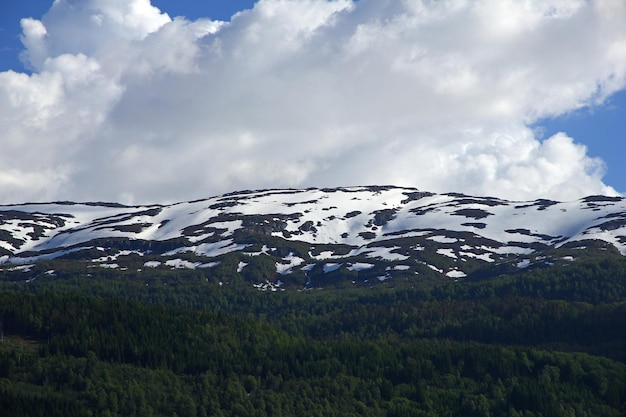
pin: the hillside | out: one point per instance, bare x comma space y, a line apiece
429, 305
316, 237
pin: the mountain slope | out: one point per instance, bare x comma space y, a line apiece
315, 237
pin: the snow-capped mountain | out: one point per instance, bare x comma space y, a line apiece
307, 237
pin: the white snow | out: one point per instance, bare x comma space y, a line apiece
290, 261
219, 248
512, 226
108, 258
443, 239
48, 256
456, 274
386, 253
308, 267
209, 249
241, 266
283, 269
209, 264
195, 239
329, 267
24, 268
447, 252
264, 251
230, 227
514, 250
613, 237
181, 264
184, 264
327, 254
268, 286
486, 257
359, 266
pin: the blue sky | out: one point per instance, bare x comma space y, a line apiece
310, 93
603, 130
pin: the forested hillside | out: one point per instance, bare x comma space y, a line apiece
549, 342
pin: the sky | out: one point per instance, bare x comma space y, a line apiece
144, 102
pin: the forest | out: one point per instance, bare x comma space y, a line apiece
550, 343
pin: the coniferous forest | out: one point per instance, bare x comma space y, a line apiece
548, 343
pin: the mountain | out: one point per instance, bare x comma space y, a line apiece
313, 237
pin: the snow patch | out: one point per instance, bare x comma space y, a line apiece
114, 257
264, 251
486, 257
184, 264
308, 267
455, 273
269, 286
513, 250
401, 268
291, 260
447, 252
359, 266
386, 253
181, 264
230, 226
330, 267
23, 268
209, 264
212, 250
327, 254
195, 239
443, 239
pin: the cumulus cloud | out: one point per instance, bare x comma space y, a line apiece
125, 103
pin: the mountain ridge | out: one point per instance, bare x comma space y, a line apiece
314, 236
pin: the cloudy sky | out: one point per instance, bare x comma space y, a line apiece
140, 102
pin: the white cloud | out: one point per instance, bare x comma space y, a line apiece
125, 103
